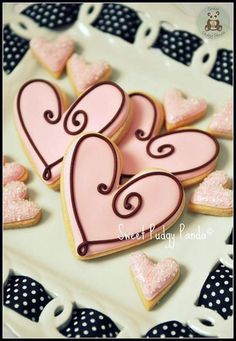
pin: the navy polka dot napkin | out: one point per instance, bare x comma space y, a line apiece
171, 329
118, 20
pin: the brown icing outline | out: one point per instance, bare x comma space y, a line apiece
82, 248
139, 133
48, 115
172, 148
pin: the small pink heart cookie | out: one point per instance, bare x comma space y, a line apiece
17, 211
180, 111
90, 185
83, 75
13, 171
53, 55
47, 128
213, 196
222, 122
189, 154
153, 280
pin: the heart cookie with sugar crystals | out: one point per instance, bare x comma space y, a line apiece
17, 210
189, 154
180, 111
213, 196
103, 217
83, 75
153, 280
53, 55
13, 171
222, 122
46, 128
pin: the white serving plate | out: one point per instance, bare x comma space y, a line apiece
42, 252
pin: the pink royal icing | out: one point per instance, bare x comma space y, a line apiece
222, 120
127, 210
153, 278
47, 132
12, 171
211, 191
83, 74
178, 108
186, 153
54, 54
15, 207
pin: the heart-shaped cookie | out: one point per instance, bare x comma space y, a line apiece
190, 154
213, 196
46, 131
182, 111
18, 212
222, 122
13, 171
83, 75
53, 55
105, 217
153, 280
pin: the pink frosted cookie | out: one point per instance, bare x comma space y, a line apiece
13, 171
53, 55
153, 280
103, 217
222, 123
83, 75
213, 196
46, 129
189, 154
17, 211
180, 111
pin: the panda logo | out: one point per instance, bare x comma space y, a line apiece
213, 23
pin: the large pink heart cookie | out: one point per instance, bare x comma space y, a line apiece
222, 122
53, 55
83, 75
104, 217
47, 131
181, 111
153, 280
18, 212
213, 196
189, 154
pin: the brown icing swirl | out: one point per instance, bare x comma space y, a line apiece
164, 150
127, 204
51, 118
76, 121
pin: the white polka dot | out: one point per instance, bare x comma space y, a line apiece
33, 310
100, 317
16, 306
33, 292
33, 300
224, 310
33, 284
84, 324
16, 290
103, 327
165, 327
94, 328
226, 282
24, 287
231, 307
25, 294
213, 293
25, 312
83, 318
163, 336
222, 276
217, 284
92, 320
85, 332
205, 296
41, 307
226, 299
230, 289
68, 329
222, 291
76, 329
16, 298
173, 332
208, 286
154, 332
210, 304
217, 301
25, 303
212, 277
